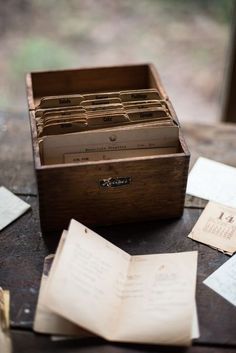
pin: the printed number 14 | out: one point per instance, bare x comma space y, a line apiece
229, 219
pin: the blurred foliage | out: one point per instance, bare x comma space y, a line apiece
37, 53
219, 9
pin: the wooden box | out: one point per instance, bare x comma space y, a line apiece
141, 188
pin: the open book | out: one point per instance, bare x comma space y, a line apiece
104, 290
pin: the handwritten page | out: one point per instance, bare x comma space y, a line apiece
158, 299
5, 340
213, 181
11, 207
216, 227
146, 299
223, 280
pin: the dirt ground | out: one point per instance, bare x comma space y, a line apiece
187, 43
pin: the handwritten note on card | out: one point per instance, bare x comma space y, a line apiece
11, 207
213, 181
216, 227
223, 280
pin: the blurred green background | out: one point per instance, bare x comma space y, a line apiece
186, 39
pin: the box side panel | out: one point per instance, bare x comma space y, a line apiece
154, 81
89, 80
155, 190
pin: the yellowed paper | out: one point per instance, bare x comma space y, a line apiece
99, 156
145, 299
60, 101
5, 340
54, 147
216, 227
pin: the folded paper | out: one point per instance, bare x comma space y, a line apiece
142, 299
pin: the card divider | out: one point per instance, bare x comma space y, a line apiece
79, 117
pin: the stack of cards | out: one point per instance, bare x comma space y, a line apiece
104, 122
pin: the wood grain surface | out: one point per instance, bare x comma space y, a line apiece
22, 248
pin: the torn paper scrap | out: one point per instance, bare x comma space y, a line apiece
11, 207
5, 340
216, 227
223, 280
213, 181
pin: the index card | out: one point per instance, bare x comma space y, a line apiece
55, 146
213, 181
142, 299
216, 227
11, 207
223, 280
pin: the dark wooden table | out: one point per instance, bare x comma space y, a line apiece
22, 248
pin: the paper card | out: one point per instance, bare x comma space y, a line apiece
223, 280
5, 341
60, 101
141, 94
55, 146
99, 156
89, 102
11, 207
103, 95
213, 181
216, 227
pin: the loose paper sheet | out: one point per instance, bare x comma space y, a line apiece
216, 227
5, 341
223, 280
145, 299
213, 181
11, 207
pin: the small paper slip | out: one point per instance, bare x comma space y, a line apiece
216, 227
223, 280
5, 340
213, 181
11, 207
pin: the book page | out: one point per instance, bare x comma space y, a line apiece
45, 320
216, 227
223, 280
213, 181
158, 299
85, 282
